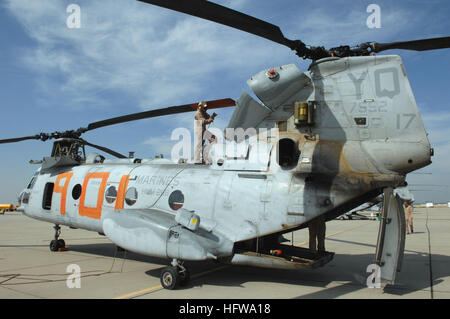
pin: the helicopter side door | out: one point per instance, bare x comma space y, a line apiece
245, 190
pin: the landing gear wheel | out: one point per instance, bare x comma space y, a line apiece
170, 278
61, 243
185, 276
54, 245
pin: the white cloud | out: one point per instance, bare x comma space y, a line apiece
161, 144
348, 27
156, 57
129, 48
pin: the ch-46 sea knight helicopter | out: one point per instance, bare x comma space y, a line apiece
348, 130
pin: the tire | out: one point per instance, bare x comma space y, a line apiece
54, 245
185, 276
170, 278
61, 243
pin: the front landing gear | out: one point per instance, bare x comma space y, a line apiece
57, 244
174, 276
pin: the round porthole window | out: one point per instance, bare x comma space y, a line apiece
111, 194
76, 192
176, 200
131, 196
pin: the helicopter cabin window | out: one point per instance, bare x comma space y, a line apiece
360, 120
76, 192
288, 153
47, 198
131, 196
111, 194
176, 200
25, 198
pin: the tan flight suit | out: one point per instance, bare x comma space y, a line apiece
408, 217
206, 156
317, 230
200, 133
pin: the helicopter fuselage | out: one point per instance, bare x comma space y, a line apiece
233, 203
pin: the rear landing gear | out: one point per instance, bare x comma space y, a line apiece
174, 276
56, 244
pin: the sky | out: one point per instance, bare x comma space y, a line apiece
129, 56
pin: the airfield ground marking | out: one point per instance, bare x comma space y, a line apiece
139, 292
338, 232
159, 287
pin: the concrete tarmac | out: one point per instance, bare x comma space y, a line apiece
28, 269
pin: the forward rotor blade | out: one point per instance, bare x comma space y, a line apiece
235, 19
160, 112
104, 149
416, 45
18, 139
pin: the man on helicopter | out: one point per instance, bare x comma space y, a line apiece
202, 118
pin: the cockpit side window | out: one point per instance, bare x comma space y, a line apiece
32, 182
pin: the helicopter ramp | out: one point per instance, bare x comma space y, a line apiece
283, 257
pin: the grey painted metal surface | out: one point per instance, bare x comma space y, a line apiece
248, 113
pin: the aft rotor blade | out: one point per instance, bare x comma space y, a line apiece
216, 104
235, 19
160, 112
416, 45
18, 139
104, 149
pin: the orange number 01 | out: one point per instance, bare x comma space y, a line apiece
93, 212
